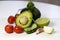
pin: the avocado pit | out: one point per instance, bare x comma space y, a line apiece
23, 20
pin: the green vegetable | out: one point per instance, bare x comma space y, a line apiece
30, 5
24, 9
41, 22
36, 13
31, 29
24, 19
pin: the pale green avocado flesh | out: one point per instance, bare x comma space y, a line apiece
24, 19
31, 29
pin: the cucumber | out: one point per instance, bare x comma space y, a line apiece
31, 29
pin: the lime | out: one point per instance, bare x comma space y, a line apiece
41, 22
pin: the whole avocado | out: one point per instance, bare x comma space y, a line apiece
36, 13
30, 5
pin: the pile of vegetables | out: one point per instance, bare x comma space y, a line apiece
29, 20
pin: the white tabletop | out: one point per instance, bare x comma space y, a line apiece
52, 11
47, 10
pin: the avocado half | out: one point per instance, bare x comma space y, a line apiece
31, 29
24, 19
35, 12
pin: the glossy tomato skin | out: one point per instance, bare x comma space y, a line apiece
9, 28
16, 15
18, 29
11, 19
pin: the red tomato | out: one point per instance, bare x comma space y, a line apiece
18, 29
9, 28
16, 15
11, 19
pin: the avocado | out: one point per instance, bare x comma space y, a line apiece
31, 29
24, 9
36, 13
24, 19
30, 5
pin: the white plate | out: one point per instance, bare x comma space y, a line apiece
47, 10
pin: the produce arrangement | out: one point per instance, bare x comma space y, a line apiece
28, 20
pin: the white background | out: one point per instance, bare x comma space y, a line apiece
47, 10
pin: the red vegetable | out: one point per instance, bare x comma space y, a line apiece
16, 15
18, 29
9, 28
39, 30
11, 19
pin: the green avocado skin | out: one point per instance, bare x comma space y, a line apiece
24, 9
30, 5
31, 31
36, 13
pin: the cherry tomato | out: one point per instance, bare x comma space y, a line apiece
18, 29
9, 28
16, 15
11, 19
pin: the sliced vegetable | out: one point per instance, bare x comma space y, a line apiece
24, 19
41, 22
48, 30
31, 29
36, 13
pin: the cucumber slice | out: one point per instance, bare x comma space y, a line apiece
31, 29
41, 22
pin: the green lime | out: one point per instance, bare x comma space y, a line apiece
41, 22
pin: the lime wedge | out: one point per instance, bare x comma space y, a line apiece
41, 22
